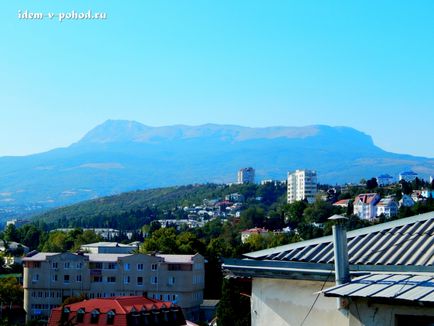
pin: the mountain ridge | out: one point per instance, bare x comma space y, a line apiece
118, 156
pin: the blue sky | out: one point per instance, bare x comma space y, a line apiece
367, 65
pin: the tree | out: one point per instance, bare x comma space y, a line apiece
234, 306
371, 184
294, 213
11, 233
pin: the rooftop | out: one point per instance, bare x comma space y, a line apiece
406, 287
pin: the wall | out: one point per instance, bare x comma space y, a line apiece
370, 314
281, 302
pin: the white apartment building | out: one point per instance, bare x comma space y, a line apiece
408, 176
302, 184
246, 175
50, 278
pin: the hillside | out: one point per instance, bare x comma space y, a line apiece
120, 156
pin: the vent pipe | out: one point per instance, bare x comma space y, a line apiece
342, 267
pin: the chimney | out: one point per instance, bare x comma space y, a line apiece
342, 267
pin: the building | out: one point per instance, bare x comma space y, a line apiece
406, 201
248, 233
344, 203
49, 278
109, 248
365, 205
126, 311
287, 281
235, 197
384, 180
408, 176
387, 207
302, 185
246, 175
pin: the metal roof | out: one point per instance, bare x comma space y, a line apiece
409, 287
405, 242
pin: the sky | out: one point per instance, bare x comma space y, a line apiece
363, 64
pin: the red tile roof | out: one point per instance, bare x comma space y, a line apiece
122, 306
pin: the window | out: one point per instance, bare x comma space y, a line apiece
139, 267
171, 280
67, 265
54, 265
80, 315
78, 278
97, 279
111, 266
139, 280
94, 316
126, 280
154, 279
111, 317
54, 278
127, 266
35, 278
66, 278
79, 265
65, 313
111, 279
154, 267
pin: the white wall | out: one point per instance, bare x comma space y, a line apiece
277, 302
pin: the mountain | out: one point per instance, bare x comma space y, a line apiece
119, 156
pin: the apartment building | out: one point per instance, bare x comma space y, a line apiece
302, 185
49, 278
246, 175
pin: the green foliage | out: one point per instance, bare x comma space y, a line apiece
11, 291
59, 241
234, 306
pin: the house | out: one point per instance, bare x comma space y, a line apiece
109, 248
387, 207
248, 233
235, 197
50, 278
287, 280
384, 180
128, 310
407, 176
342, 203
406, 201
365, 205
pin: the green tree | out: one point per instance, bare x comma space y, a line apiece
234, 306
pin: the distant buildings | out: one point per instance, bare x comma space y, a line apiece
49, 278
248, 233
302, 185
109, 247
408, 176
384, 180
246, 175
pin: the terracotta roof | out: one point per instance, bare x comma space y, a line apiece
366, 198
255, 231
121, 306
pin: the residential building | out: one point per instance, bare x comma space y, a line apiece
365, 205
384, 180
387, 207
248, 233
246, 175
235, 197
343, 203
109, 248
408, 176
302, 185
406, 201
395, 261
49, 278
127, 311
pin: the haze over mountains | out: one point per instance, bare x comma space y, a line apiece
118, 156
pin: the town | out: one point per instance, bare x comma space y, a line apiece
177, 260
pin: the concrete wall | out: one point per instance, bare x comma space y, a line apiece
367, 314
280, 302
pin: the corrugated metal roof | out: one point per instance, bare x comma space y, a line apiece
408, 287
408, 241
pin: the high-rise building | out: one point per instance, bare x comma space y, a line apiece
246, 175
302, 185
